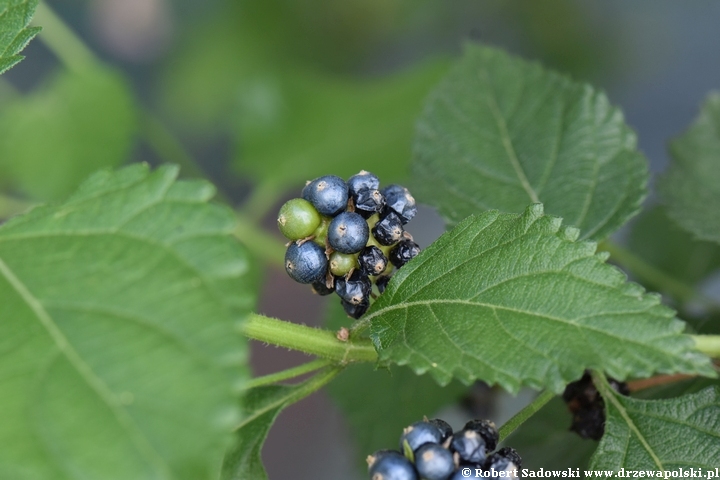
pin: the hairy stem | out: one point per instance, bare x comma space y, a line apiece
313, 341
288, 374
656, 277
708, 344
524, 414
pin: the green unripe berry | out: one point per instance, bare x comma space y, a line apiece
320, 233
342, 263
298, 219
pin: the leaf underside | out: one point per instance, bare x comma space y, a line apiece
500, 133
682, 432
515, 300
15, 34
691, 187
120, 354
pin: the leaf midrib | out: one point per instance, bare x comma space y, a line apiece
86, 373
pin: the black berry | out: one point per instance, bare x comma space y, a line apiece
368, 202
321, 288
434, 462
587, 406
381, 282
487, 430
354, 290
355, 311
348, 233
372, 261
469, 445
403, 252
420, 433
442, 425
389, 229
328, 194
362, 181
509, 453
399, 199
306, 263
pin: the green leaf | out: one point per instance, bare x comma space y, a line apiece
120, 351
515, 300
54, 138
683, 432
15, 16
261, 406
659, 241
399, 398
691, 186
500, 133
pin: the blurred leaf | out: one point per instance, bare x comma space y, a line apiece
691, 186
658, 241
660, 434
677, 389
120, 354
515, 300
399, 397
261, 406
500, 132
545, 440
15, 16
54, 138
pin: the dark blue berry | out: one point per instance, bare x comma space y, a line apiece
500, 464
444, 428
420, 433
306, 263
368, 202
390, 465
381, 283
487, 430
434, 462
355, 289
389, 229
355, 311
362, 181
469, 445
321, 288
403, 252
328, 194
508, 453
399, 199
348, 233
372, 261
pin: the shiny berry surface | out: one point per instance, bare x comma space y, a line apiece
306, 263
399, 199
348, 233
328, 194
434, 462
298, 219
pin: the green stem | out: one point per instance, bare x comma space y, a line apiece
656, 277
303, 390
314, 341
263, 245
61, 40
287, 374
524, 414
708, 344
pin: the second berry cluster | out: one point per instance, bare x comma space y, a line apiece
432, 451
348, 237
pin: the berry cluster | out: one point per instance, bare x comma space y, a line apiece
587, 406
347, 237
433, 452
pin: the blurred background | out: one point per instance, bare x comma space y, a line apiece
259, 96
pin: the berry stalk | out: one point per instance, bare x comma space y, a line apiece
524, 414
313, 341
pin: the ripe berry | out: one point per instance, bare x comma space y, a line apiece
362, 181
354, 290
389, 230
509, 453
442, 425
348, 233
306, 263
399, 199
500, 464
368, 202
355, 311
469, 445
342, 263
433, 462
420, 433
381, 283
403, 252
298, 219
329, 194
321, 288
389, 465
487, 431
372, 261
